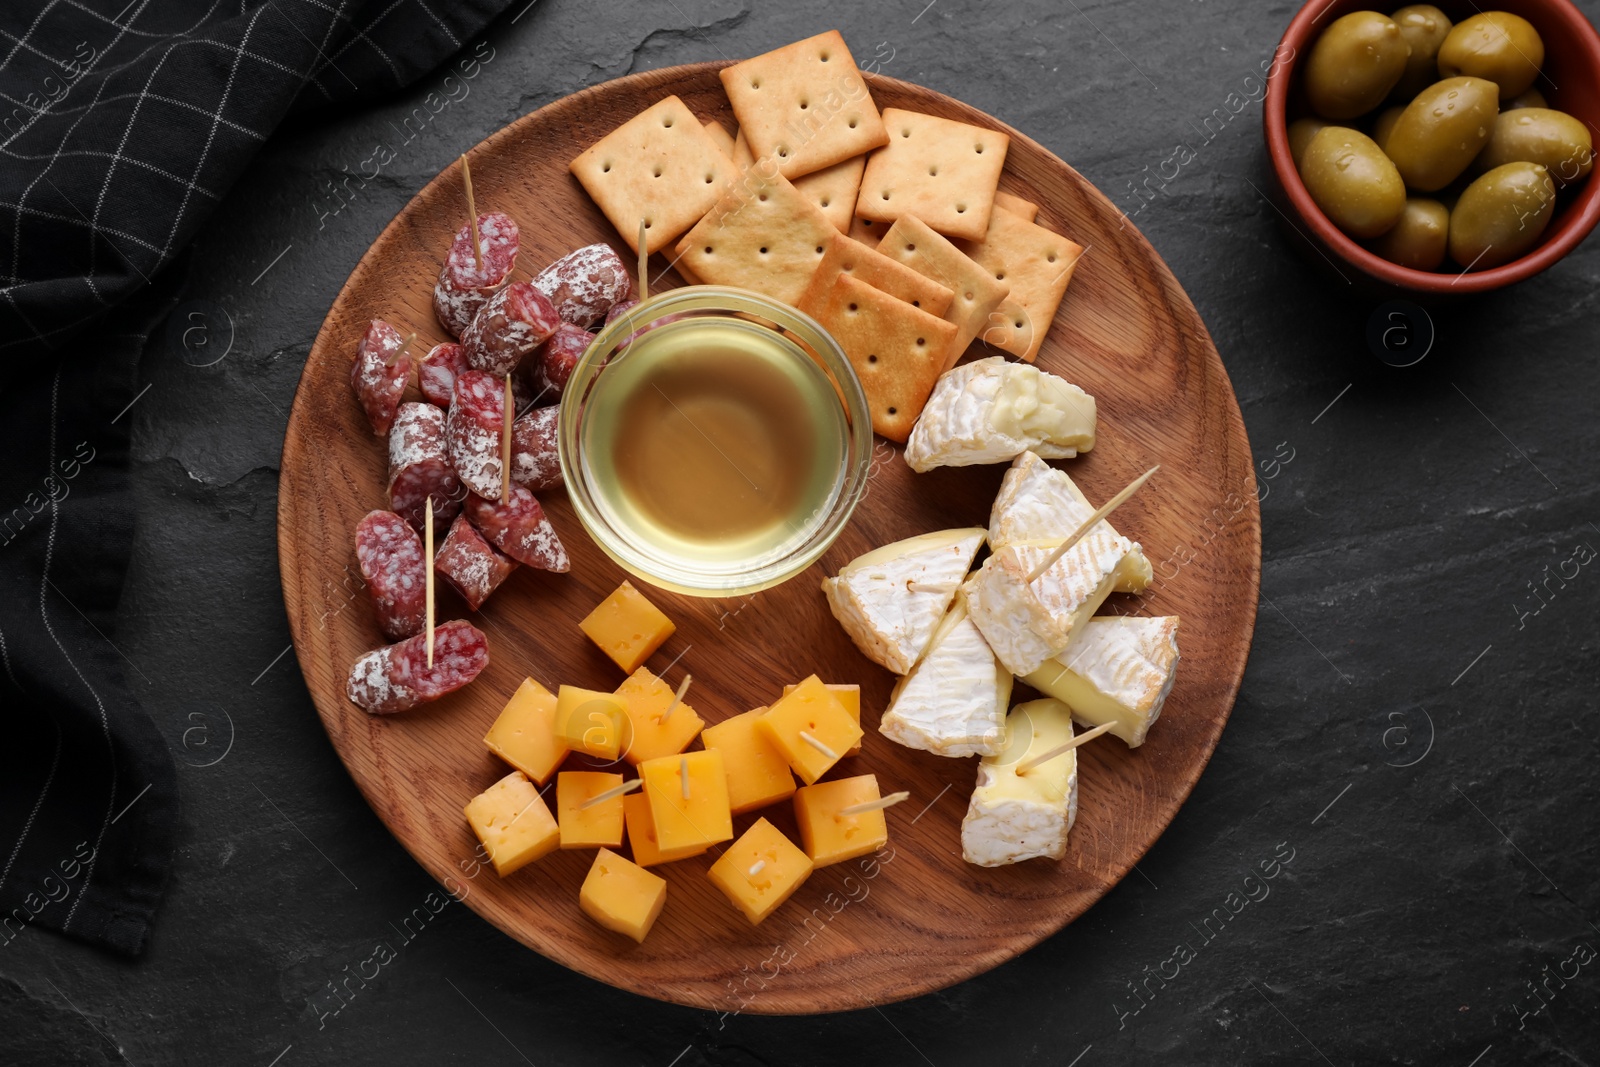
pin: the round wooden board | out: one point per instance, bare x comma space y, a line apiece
856, 934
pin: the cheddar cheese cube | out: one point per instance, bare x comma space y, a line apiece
850, 697
644, 698
622, 896
642, 834
587, 827
627, 627
758, 774
512, 822
591, 722
688, 797
810, 728
760, 871
525, 733
829, 837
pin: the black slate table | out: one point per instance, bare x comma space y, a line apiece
1413, 742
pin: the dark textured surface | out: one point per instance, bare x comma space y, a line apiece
1411, 729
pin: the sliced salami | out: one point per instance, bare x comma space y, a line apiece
473, 429
535, 463
436, 374
420, 467
514, 322
585, 283
472, 566
464, 285
556, 358
379, 376
520, 529
391, 559
397, 677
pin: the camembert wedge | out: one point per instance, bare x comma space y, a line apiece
993, 410
1015, 817
953, 703
1038, 501
890, 600
1119, 670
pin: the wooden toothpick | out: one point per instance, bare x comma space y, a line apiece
818, 745
611, 794
427, 577
876, 805
644, 265
405, 346
505, 445
683, 774
756, 868
683, 687
1088, 735
472, 213
1091, 522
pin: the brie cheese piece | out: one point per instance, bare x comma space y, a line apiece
1026, 623
1014, 817
954, 701
890, 600
1118, 670
1037, 501
992, 410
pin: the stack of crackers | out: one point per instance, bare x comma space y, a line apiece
888, 228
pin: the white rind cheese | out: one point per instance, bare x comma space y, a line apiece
953, 703
1118, 670
1038, 501
891, 600
992, 410
1015, 817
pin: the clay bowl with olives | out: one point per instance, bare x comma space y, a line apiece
1440, 149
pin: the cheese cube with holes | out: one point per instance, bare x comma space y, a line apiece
1015, 817
830, 837
512, 822
810, 728
758, 774
760, 871
627, 627
642, 834
597, 825
645, 699
622, 896
591, 722
1119, 670
688, 797
849, 696
525, 733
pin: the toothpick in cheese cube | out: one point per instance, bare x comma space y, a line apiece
1037, 501
811, 728
1015, 817
513, 824
642, 834
758, 774
688, 797
627, 627
760, 871
1118, 670
596, 825
954, 702
592, 722
644, 699
849, 697
622, 896
830, 837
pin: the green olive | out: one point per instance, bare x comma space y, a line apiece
1353, 182
1300, 133
1501, 215
1424, 28
1497, 45
1553, 139
1441, 130
1383, 125
1419, 239
1531, 98
1354, 64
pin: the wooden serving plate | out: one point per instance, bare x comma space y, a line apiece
856, 934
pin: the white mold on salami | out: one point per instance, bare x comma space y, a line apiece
585, 283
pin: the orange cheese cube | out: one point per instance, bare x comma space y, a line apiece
688, 797
811, 728
644, 697
599, 824
627, 627
850, 697
758, 774
829, 837
760, 871
512, 822
591, 722
642, 834
525, 733
622, 896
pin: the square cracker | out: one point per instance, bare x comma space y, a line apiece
896, 349
719, 133
1038, 265
805, 105
762, 235
845, 256
834, 190
867, 231
1025, 209
942, 171
976, 293
661, 166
